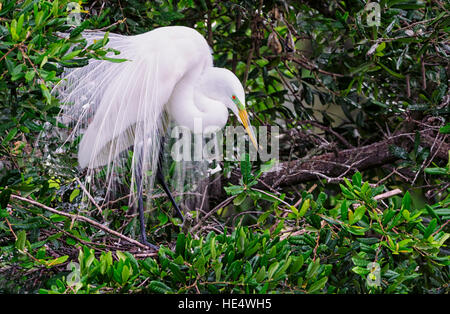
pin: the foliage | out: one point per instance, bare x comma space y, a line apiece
331, 255
301, 62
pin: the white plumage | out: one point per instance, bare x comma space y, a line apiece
117, 106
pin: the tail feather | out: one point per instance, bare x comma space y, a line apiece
115, 106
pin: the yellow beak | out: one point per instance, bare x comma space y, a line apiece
246, 122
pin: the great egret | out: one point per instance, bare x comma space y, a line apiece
117, 106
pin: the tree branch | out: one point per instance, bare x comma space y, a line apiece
83, 218
333, 166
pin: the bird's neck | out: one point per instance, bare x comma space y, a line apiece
192, 108
215, 113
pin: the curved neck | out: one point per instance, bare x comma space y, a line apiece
192, 108
215, 113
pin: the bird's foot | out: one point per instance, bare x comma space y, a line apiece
152, 246
187, 222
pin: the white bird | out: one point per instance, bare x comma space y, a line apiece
118, 106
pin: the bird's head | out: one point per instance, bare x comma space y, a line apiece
239, 110
224, 86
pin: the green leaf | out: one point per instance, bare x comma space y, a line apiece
406, 201
359, 213
261, 274
44, 61
241, 241
344, 211
304, 208
262, 218
200, 266
55, 8
437, 171
431, 212
58, 218
446, 128
72, 54
217, 266
362, 271
181, 244
106, 262
391, 72
46, 93
346, 192
312, 269
74, 194
318, 285
381, 47
177, 274
21, 240
79, 29
404, 243
240, 199
114, 60
356, 230
126, 273
246, 168
431, 227
121, 256
359, 261
365, 189
159, 287
56, 261
296, 264
29, 75
20, 24
248, 270
213, 247
234, 189
13, 30
357, 179
416, 142
10, 136
406, 214
272, 268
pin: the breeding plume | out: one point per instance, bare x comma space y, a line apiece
168, 75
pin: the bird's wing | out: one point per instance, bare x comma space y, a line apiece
122, 104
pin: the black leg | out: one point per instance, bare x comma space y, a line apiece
160, 178
138, 176
162, 182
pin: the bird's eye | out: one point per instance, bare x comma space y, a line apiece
237, 102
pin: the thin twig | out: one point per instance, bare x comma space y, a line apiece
203, 202
83, 218
424, 77
325, 128
387, 194
89, 195
221, 205
10, 228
